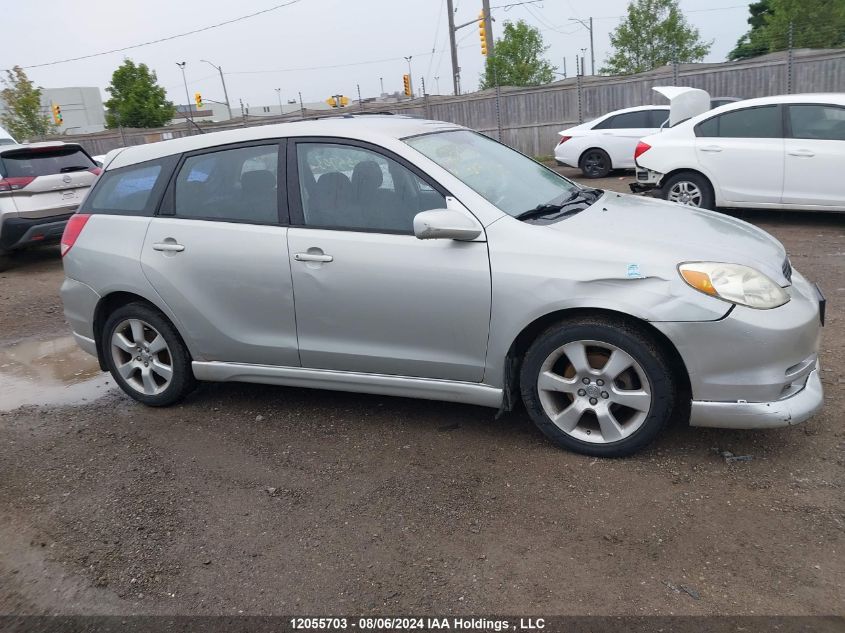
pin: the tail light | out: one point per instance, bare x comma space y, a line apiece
14, 184
96, 170
563, 139
73, 228
642, 148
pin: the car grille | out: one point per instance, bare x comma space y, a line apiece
787, 270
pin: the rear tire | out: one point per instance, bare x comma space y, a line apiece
690, 189
146, 355
595, 163
597, 386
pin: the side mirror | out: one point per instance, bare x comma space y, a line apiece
444, 224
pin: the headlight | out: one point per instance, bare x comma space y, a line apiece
734, 283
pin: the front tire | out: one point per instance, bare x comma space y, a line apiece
597, 386
690, 189
146, 356
595, 163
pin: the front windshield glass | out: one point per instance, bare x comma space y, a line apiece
506, 178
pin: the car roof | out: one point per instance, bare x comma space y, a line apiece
373, 128
834, 98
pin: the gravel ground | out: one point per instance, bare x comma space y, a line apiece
258, 500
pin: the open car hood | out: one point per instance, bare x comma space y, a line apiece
684, 103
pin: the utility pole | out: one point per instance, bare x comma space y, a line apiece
564, 67
360, 102
223, 81
381, 81
190, 115
589, 27
279, 95
437, 83
410, 74
301, 107
456, 71
488, 25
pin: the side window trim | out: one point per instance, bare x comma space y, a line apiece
297, 214
168, 165
167, 204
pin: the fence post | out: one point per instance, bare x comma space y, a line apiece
580, 96
789, 62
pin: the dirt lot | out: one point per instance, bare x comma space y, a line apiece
265, 500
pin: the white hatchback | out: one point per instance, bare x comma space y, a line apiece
782, 152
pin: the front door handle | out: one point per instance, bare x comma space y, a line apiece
802, 153
313, 257
711, 148
169, 247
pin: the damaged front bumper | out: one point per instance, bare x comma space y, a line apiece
762, 415
647, 182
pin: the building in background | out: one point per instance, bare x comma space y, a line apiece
81, 108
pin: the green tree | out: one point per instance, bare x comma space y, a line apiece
654, 33
24, 117
815, 24
136, 99
517, 59
754, 42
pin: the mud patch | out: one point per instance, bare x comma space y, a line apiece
48, 373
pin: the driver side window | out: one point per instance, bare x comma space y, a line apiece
353, 188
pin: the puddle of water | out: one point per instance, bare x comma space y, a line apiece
53, 372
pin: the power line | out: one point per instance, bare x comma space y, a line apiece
166, 39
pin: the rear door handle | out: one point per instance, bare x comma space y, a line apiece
803, 153
711, 148
312, 257
170, 247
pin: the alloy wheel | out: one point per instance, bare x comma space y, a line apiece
594, 391
141, 356
686, 193
594, 164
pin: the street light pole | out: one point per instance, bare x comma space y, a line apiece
437, 83
279, 95
223, 81
410, 76
189, 115
381, 81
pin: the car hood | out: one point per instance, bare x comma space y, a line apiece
654, 235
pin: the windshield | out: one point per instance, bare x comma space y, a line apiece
504, 177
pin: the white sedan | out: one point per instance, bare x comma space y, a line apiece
782, 152
608, 142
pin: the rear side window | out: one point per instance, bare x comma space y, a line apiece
657, 117
236, 185
31, 163
820, 122
132, 190
763, 122
626, 120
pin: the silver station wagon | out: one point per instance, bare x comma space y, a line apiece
398, 256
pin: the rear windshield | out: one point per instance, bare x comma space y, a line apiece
43, 162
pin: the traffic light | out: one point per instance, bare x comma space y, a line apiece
198, 99
338, 101
482, 32
406, 80
57, 114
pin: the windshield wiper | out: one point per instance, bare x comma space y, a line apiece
64, 170
549, 208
